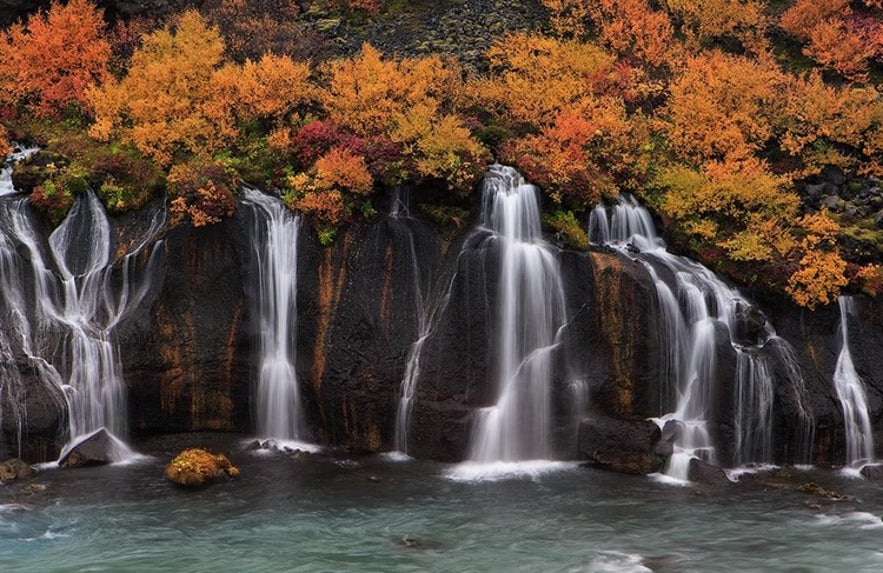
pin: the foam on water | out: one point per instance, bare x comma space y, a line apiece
735, 473
496, 471
397, 457
616, 562
862, 519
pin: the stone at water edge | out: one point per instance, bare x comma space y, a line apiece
95, 450
703, 472
15, 469
624, 446
196, 467
872, 473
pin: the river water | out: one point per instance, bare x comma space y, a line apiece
336, 513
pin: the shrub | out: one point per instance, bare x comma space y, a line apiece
201, 192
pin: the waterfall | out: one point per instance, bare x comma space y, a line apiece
75, 306
851, 392
530, 312
695, 304
274, 236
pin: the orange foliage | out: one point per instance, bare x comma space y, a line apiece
724, 107
341, 169
828, 125
820, 275
534, 77
836, 36
163, 104
273, 88
587, 153
410, 103
628, 27
740, 205
5, 147
704, 21
47, 63
200, 192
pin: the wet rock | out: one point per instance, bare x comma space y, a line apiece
873, 473
94, 450
703, 472
878, 219
195, 467
15, 469
624, 446
833, 203
671, 433
815, 489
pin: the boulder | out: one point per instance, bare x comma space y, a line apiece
872, 473
15, 469
624, 446
195, 467
703, 472
96, 449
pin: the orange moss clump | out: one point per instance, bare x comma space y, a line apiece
195, 467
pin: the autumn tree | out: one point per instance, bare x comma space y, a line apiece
705, 22
48, 62
589, 152
532, 78
724, 107
627, 27
836, 35
830, 125
411, 103
164, 104
5, 147
820, 273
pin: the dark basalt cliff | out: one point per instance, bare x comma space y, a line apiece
189, 351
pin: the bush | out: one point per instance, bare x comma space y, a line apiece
201, 192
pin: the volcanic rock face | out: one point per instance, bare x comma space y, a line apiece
189, 350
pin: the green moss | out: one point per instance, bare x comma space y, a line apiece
566, 226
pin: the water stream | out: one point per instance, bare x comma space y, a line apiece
701, 317
853, 398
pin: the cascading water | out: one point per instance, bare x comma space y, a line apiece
694, 304
853, 399
274, 237
75, 307
530, 313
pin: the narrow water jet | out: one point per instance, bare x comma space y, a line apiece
853, 398
695, 304
274, 235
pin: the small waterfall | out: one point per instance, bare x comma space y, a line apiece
274, 237
400, 208
530, 313
695, 304
851, 392
76, 306
21, 153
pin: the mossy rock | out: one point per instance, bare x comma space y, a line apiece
196, 467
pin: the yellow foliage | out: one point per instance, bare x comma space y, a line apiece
821, 272
5, 147
744, 200
163, 105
